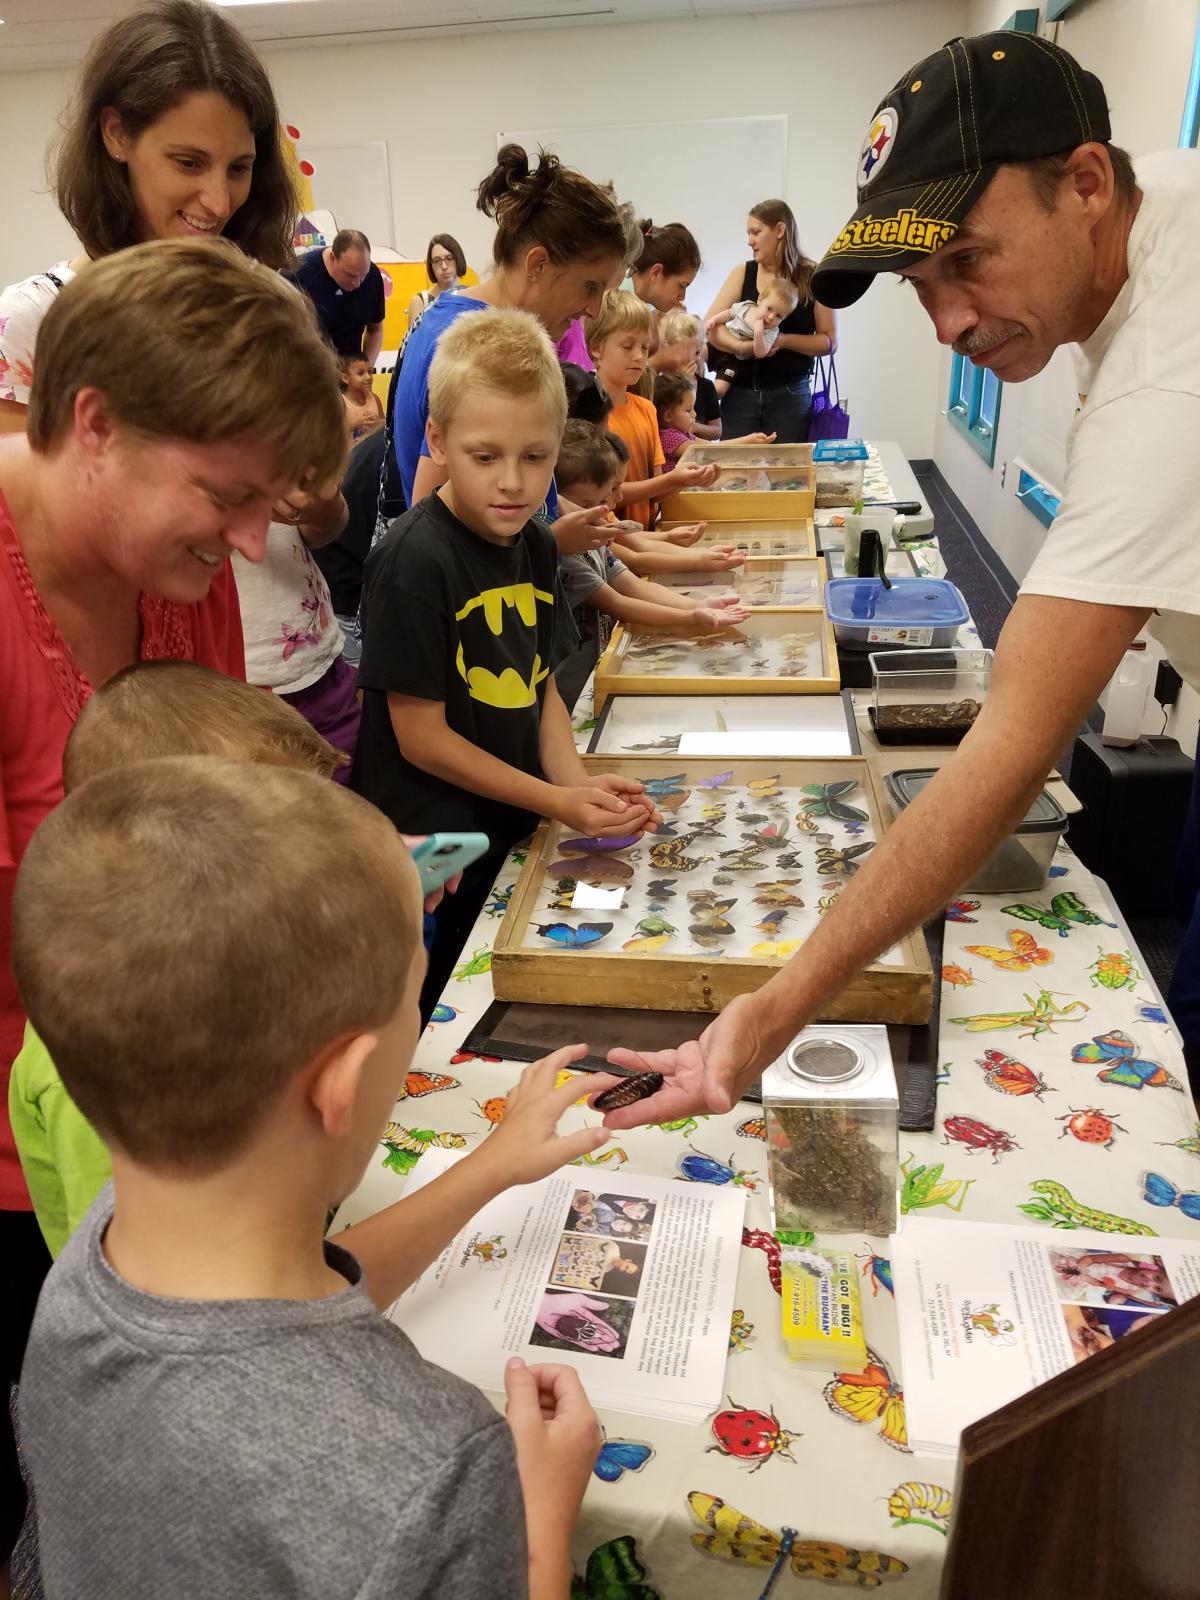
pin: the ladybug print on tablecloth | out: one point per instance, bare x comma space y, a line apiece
978, 1135
750, 1435
1091, 1126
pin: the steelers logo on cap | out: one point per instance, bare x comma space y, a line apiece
877, 146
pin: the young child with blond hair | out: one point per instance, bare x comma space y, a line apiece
757, 321
682, 347
200, 1350
464, 623
619, 341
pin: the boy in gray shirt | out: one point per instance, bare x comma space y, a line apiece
224, 961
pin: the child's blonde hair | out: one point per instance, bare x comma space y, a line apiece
190, 933
781, 289
679, 327
179, 708
508, 352
620, 312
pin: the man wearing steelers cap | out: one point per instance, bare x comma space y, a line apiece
987, 179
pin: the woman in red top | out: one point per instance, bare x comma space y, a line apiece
181, 390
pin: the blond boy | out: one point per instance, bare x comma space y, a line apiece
757, 321
224, 960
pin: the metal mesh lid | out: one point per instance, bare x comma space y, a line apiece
824, 1060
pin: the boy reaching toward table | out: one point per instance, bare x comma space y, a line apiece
203, 1363
464, 622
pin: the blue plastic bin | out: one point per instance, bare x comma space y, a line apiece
925, 613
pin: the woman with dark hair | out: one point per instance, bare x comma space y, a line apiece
445, 264
173, 132
559, 243
771, 394
665, 268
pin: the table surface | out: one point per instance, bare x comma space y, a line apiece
831, 1474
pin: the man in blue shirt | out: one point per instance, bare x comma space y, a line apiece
346, 287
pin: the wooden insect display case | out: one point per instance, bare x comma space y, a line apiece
755, 480
750, 855
772, 652
763, 581
764, 538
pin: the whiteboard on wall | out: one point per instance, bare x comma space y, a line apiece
706, 174
354, 183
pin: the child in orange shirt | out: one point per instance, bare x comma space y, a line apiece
619, 343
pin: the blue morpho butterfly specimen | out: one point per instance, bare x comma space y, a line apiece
576, 937
826, 801
661, 786
590, 846
1160, 1191
619, 1456
1125, 1068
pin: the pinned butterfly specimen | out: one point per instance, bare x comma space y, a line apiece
871, 1396
826, 903
780, 951
669, 742
667, 854
1125, 1068
764, 788
613, 1572
1025, 952
1065, 908
659, 787
619, 1456
759, 664
747, 859
711, 919
706, 939
957, 910
578, 937
1160, 1191
651, 941
806, 823
417, 1084
789, 861
827, 801
719, 782
713, 811
1008, 1076
772, 921
592, 869
662, 888
777, 893
590, 846
733, 1536
845, 861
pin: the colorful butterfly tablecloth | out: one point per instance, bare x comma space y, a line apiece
1061, 1100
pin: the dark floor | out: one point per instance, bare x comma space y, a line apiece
989, 595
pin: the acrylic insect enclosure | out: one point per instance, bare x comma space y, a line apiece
763, 581
772, 652
772, 480
762, 538
749, 856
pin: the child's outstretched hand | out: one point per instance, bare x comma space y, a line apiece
720, 558
598, 813
578, 531
527, 1145
687, 535
752, 438
686, 476
718, 614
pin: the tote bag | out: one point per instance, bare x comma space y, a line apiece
830, 418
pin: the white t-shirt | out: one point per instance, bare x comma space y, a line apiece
1128, 531
22, 307
292, 636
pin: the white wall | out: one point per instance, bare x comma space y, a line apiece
1142, 54
440, 102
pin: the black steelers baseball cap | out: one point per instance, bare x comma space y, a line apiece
936, 140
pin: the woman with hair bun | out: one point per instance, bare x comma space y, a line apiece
560, 241
666, 266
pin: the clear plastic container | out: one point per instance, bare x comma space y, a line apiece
832, 1113
916, 612
927, 696
839, 483
1023, 861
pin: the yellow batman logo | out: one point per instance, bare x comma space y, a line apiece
506, 690
523, 598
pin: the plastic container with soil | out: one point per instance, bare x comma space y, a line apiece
927, 697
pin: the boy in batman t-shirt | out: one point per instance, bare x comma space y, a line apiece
463, 730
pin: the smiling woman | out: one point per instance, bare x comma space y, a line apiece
173, 132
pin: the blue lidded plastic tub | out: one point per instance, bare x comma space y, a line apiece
923, 612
